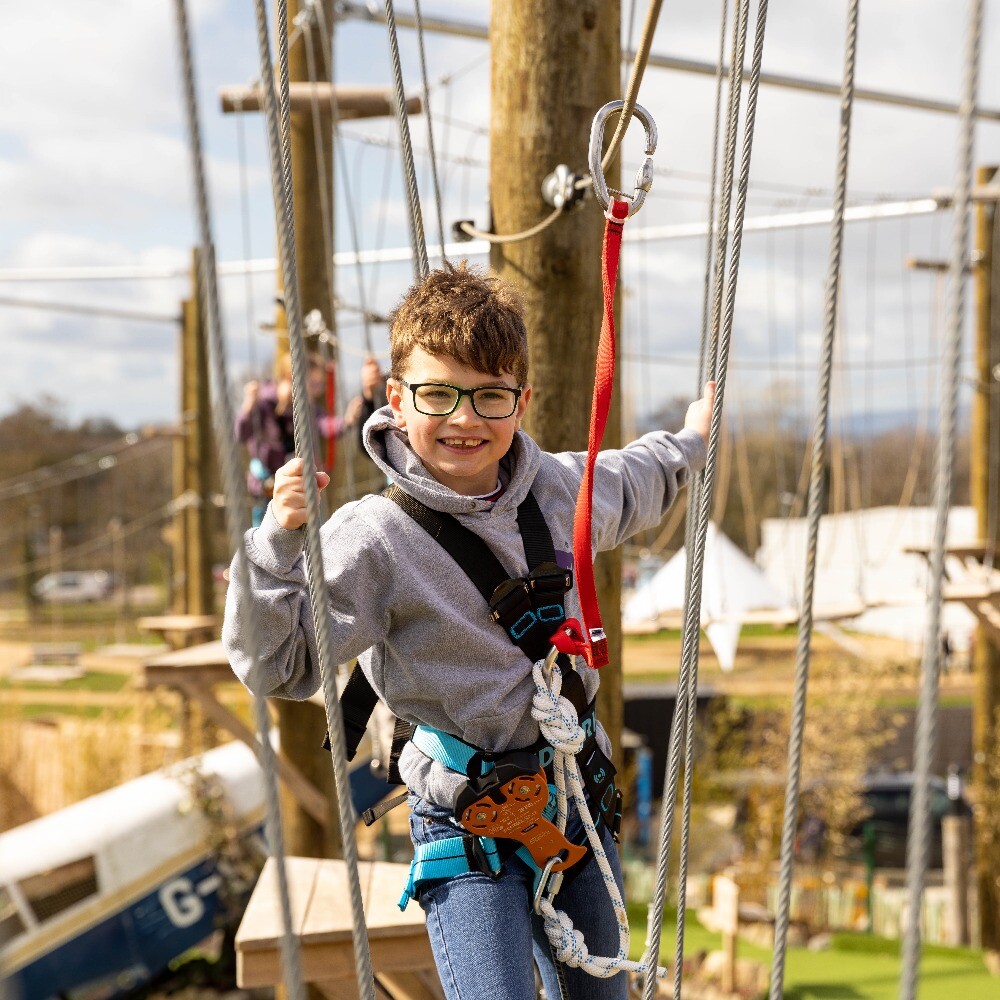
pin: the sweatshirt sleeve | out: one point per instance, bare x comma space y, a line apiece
358, 599
635, 486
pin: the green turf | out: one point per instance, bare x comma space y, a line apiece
856, 967
93, 680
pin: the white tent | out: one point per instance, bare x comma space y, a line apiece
733, 588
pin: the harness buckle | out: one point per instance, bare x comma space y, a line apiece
550, 580
549, 883
644, 175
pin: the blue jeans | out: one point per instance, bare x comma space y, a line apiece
486, 938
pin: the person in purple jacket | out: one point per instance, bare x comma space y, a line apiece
264, 425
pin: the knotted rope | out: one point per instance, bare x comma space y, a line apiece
559, 724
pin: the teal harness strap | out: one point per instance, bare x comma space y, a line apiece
446, 858
454, 753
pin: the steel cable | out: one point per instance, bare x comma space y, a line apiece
279, 154
692, 611
430, 126
919, 830
418, 241
814, 513
223, 419
687, 678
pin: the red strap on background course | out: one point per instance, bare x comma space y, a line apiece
595, 651
331, 409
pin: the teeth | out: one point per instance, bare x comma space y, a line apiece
462, 442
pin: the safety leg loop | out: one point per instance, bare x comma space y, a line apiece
557, 719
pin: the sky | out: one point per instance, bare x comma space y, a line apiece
94, 171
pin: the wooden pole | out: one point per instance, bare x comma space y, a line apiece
955, 851
198, 449
554, 63
303, 724
984, 477
352, 101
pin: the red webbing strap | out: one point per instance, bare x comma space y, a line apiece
331, 409
594, 645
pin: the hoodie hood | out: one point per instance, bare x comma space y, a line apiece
389, 448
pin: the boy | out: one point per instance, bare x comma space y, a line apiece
450, 438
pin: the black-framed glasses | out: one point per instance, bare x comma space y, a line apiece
438, 399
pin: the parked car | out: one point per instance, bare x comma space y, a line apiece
887, 797
886, 801
74, 587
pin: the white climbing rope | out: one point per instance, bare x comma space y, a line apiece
557, 719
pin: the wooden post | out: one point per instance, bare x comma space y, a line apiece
197, 450
984, 463
303, 724
554, 63
726, 903
955, 851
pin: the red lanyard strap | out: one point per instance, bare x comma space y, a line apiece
594, 647
588, 640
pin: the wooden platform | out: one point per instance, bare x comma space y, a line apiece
321, 916
180, 630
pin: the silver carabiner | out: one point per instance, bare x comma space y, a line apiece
644, 175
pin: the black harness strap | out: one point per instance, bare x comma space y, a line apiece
472, 554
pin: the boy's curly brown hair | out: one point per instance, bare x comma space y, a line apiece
465, 314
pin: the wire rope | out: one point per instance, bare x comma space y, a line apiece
692, 611
421, 267
919, 830
279, 156
235, 488
327, 39
814, 511
79, 466
707, 353
430, 126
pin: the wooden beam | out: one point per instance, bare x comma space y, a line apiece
306, 794
350, 101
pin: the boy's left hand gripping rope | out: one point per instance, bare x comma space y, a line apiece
589, 640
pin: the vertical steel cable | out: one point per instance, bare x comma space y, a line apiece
814, 511
281, 185
224, 422
697, 556
326, 202
417, 239
722, 230
919, 833
341, 159
688, 680
430, 125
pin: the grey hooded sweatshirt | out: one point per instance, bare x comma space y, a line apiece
399, 603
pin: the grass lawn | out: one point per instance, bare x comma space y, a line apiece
93, 680
856, 967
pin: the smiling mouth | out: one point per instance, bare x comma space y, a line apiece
463, 444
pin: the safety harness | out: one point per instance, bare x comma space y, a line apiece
529, 609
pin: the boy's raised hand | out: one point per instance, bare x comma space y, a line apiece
288, 505
699, 414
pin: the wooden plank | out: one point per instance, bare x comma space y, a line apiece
204, 655
399, 942
258, 939
412, 986
306, 794
177, 623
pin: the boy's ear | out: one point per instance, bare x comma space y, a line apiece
522, 403
394, 394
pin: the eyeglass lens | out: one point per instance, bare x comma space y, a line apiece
489, 401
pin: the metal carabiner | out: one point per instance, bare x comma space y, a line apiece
644, 175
